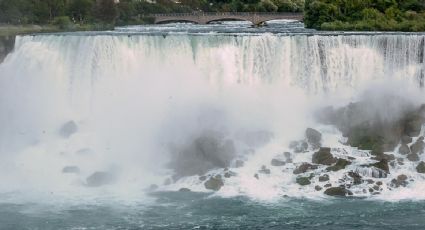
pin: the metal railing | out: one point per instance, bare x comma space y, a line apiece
200, 14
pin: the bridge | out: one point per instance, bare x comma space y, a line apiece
206, 18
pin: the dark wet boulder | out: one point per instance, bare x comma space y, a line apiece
383, 165
323, 157
413, 123
68, 129
229, 174
421, 167
404, 149
304, 167
71, 169
299, 146
418, 146
214, 183
406, 139
303, 181
340, 164
357, 179
338, 191
400, 181
202, 178
314, 138
288, 158
277, 162
413, 157
98, 179
317, 188
324, 177
184, 190
239, 164
383, 156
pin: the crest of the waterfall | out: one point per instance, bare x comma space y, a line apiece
131, 97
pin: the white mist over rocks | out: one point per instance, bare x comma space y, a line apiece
113, 114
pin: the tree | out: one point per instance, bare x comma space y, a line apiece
80, 10
106, 11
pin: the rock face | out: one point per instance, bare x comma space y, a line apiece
71, 169
303, 181
421, 167
323, 157
209, 151
214, 183
418, 146
337, 191
340, 164
68, 129
99, 179
313, 137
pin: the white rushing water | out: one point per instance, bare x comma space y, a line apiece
131, 97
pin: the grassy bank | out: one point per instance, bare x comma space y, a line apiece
12, 30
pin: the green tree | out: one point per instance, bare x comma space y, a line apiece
106, 11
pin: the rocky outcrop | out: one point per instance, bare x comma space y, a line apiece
338, 191
214, 183
323, 157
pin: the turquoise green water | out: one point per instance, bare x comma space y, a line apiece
179, 210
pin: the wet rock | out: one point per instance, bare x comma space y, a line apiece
400, 161
239, 164
324, 177
98, 179
68, 129
404, 149
400, 181
327, 185
303, 181
382, 156
317, 188
71, 169
288, 157
264, 170
202, 178
413, 123
304, 167
340, 164
277, 162
338, 191
421, 167
370, 181
413, 157
313, 137
214, 183
298, 146
357, 179
323, 157
184, 190
418, 146
256, 176
383, 165
379, 183
229, 174
406, 139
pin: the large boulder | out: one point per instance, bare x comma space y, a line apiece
340, 164
413, 157
357, 179
304, 167
338, 191
214, 183
404, 149
323, 157
418, 146
313, 137
277, 162
400, 181
298, 146
68, 129
421, 167
303, 181
324, 177
382, 165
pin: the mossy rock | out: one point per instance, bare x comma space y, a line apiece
421, 167
303, 181
338, 191
323, 157
214, 183
340, 164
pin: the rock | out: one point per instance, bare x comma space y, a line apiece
413, 124
327, 185
68, 129
239, 164
256, 176
404, 149
401, 180
304, 167
214, 183
202, 178
413, 157
288, 157
99, 179
71, 169
421, 167
303, 181
277, 163
357, 179
337, 191
229, 174
324, 157
324, 177
418, 146
184, 190
317, 188
264, 170
370, 181
383, 165
406, 139
379, 183
299, 146
340, 164
313, 137
382, 156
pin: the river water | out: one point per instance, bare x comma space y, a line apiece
100, 130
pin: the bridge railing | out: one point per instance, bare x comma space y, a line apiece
200, 14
